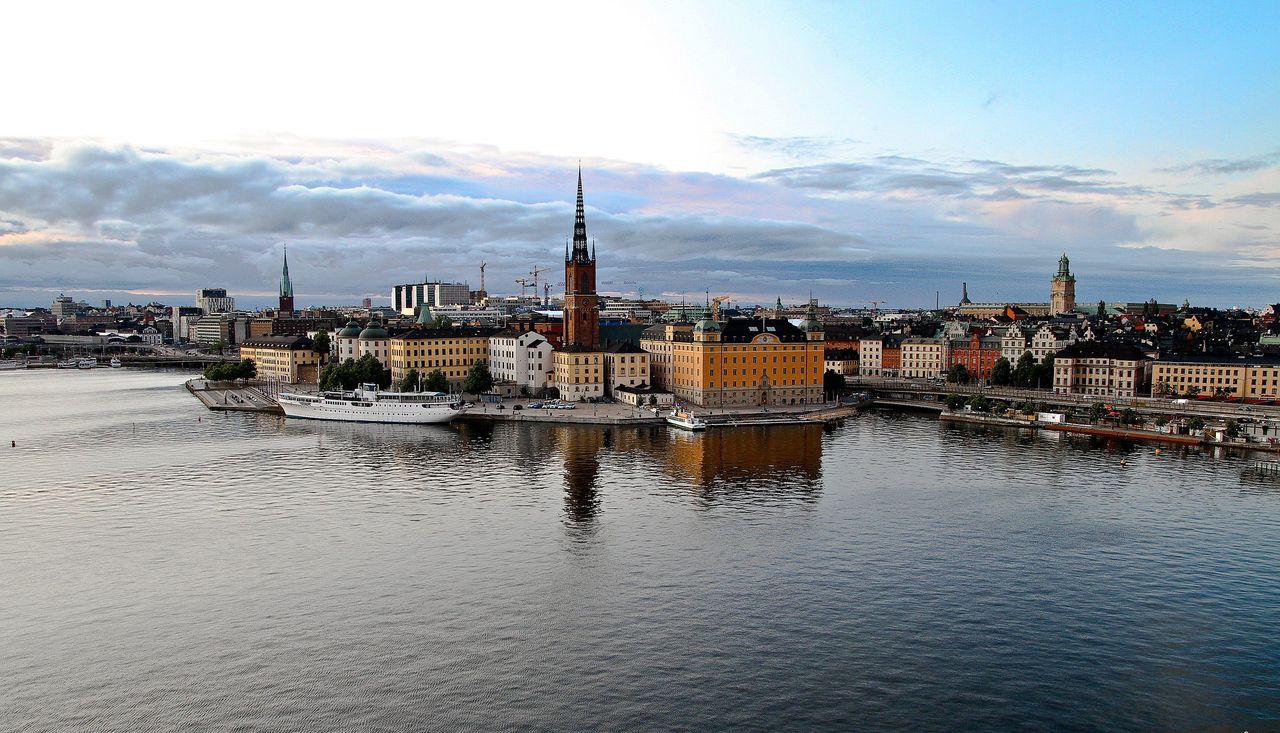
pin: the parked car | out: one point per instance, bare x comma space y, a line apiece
535, 405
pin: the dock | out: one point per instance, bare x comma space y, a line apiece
233, 396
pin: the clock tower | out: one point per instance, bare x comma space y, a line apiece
581, 304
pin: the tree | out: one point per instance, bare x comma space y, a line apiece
1232, 429
653, 400
321, 345
329, 377
1130, 416
1042, 373
1096, 411
436, 381
1195, 423
410, 381
244, 369
524, 390
478, 380
832, 382
954, 401
958, 374
442, 321
1002, 373
1163, 389
1024, 374
220, 345
368, 370
979, 403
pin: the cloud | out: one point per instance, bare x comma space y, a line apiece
360, 216
1227, 166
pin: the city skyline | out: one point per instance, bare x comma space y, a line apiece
896, 152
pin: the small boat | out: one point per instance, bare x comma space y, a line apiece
68, 364
116, 363
7, 364
686, 421
87, 363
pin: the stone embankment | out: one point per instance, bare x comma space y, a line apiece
233, 396
1147, 436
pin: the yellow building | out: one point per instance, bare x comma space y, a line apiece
626, 365
923, 357
657, 342
451, 350
744, 361
1249, 378
283, 358
580, 373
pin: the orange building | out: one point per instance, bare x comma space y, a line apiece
744, 361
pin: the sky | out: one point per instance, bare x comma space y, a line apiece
879, 151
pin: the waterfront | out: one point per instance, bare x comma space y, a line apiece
167, 567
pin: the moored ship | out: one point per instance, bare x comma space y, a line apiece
87, 364
369, 404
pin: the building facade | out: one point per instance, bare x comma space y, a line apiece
626, 365
746, 361
451, 350
1101, 369
923, 357
1252, 377
978, 355
411, 298
579, 373
283, 358
526, 359
214, 300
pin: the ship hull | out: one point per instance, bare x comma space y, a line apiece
377, 412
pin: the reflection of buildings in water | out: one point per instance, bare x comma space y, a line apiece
580, 446
777, 459
379, 446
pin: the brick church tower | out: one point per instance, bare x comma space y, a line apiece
286, 289
581, 304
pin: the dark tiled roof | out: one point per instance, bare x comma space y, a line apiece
742, 330
1102, 350
294, 343
445, 333
624, 347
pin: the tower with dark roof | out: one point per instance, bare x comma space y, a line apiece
286, 288
1062, 291
581, 304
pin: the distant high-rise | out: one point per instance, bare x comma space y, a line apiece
286, 288
214, 300
409, 298
367, 303
581, 304
1062, 291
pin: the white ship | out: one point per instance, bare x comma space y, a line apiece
68, 364
116, 363
87, 363
368, 404
7, 364
686, 421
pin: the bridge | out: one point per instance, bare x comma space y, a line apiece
929, 394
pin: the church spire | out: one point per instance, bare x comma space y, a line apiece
580, 253
286, 285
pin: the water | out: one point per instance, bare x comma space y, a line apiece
167, 568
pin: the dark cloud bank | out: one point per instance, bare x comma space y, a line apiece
81, 216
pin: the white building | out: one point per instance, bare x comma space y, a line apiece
923, 357
353, 342
407, 299
523, 358
870, 356
214, 300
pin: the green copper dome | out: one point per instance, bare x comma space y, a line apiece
352, 330
374, 332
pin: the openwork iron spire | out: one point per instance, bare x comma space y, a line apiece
580, 253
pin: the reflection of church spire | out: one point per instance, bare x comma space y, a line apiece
581, 448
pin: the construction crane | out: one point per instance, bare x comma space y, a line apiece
524, 284
535, 272
715, 306
875, 306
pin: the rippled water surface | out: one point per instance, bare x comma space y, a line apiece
167, 568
